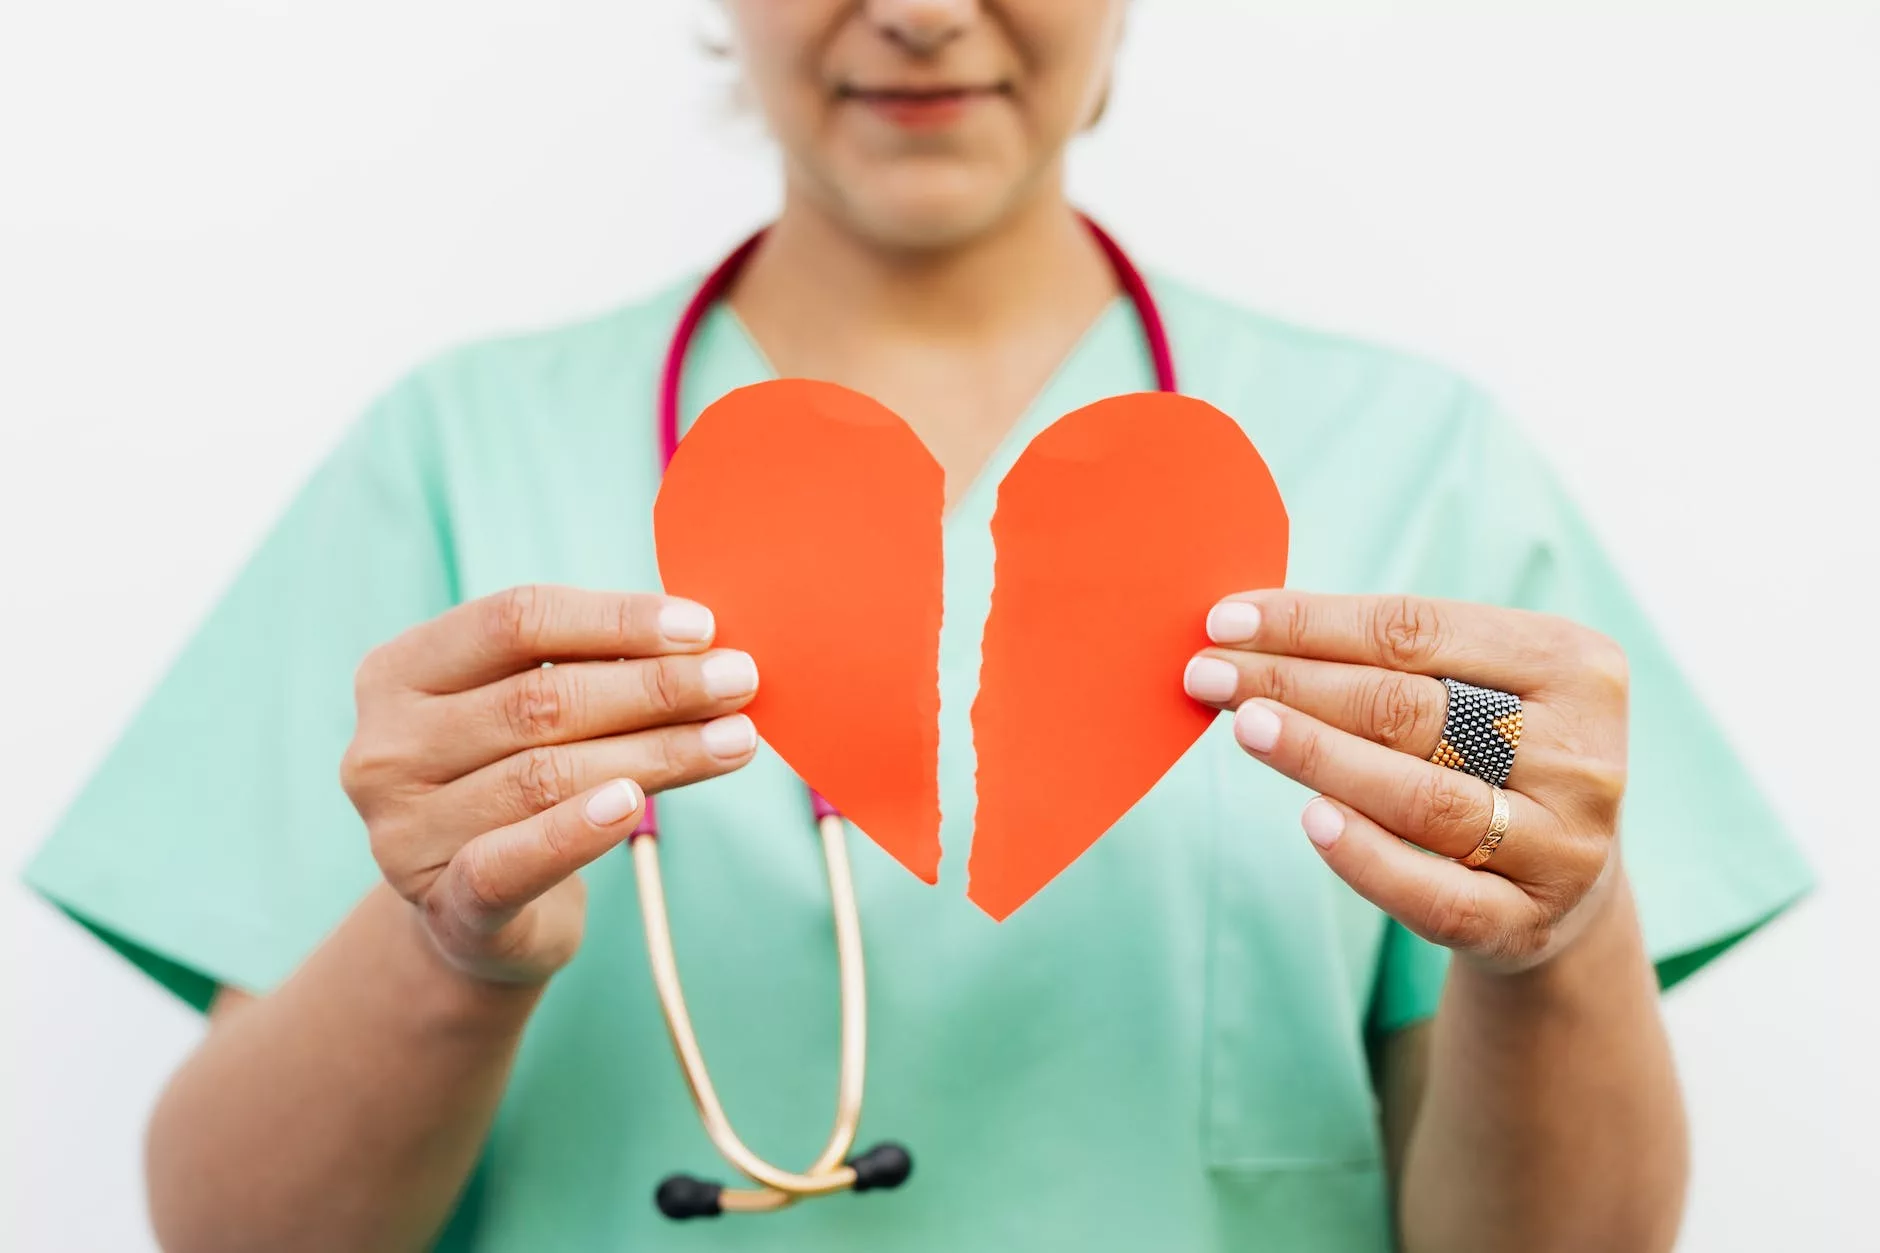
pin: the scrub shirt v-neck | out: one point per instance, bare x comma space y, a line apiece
1168, 1048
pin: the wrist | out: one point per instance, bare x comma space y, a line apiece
453, 998
1598, 940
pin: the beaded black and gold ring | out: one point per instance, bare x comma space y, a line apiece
1481, 730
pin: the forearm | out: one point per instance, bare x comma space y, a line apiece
342, 1111
1550, 1117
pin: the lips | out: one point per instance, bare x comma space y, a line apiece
921, 108
919, 95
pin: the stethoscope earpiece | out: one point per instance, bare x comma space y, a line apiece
687, 1196
887, 1165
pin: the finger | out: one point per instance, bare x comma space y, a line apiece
536, 780
1511, 649
1436, 899
577, 701
1407, 712
1443, 810
487, 639
495, 875
1398, 710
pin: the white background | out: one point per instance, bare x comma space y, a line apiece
1655, 229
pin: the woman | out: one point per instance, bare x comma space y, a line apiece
1214, 1032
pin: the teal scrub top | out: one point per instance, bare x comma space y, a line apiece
1166, 1049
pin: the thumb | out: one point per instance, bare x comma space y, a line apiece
493, 877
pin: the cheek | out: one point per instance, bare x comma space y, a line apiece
1070, 51
776, 52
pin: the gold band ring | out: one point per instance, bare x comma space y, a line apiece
1497, 828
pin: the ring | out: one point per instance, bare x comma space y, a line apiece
1481, 730
1497, 828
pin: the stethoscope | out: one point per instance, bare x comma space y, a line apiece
886, 1165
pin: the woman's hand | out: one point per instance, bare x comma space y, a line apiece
487, 778
1343, 694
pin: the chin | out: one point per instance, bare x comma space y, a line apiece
928, 209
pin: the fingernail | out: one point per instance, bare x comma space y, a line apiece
1210, 678
729, 674
1257, 727
613, 802
730, 736
1233, 622
685, 621
1324, 822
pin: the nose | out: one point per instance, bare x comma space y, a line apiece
922, 27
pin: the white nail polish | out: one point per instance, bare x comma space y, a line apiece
728, 674
1211, 679
1323, 821
1257, 727
731, 736
1233, 622
685, 622
613, 802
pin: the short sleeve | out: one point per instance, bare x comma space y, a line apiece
1708, 859
214, 844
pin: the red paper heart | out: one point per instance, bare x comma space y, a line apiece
809, 518
1115, 532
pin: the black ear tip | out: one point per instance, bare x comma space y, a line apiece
684, 1196
887, 1165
